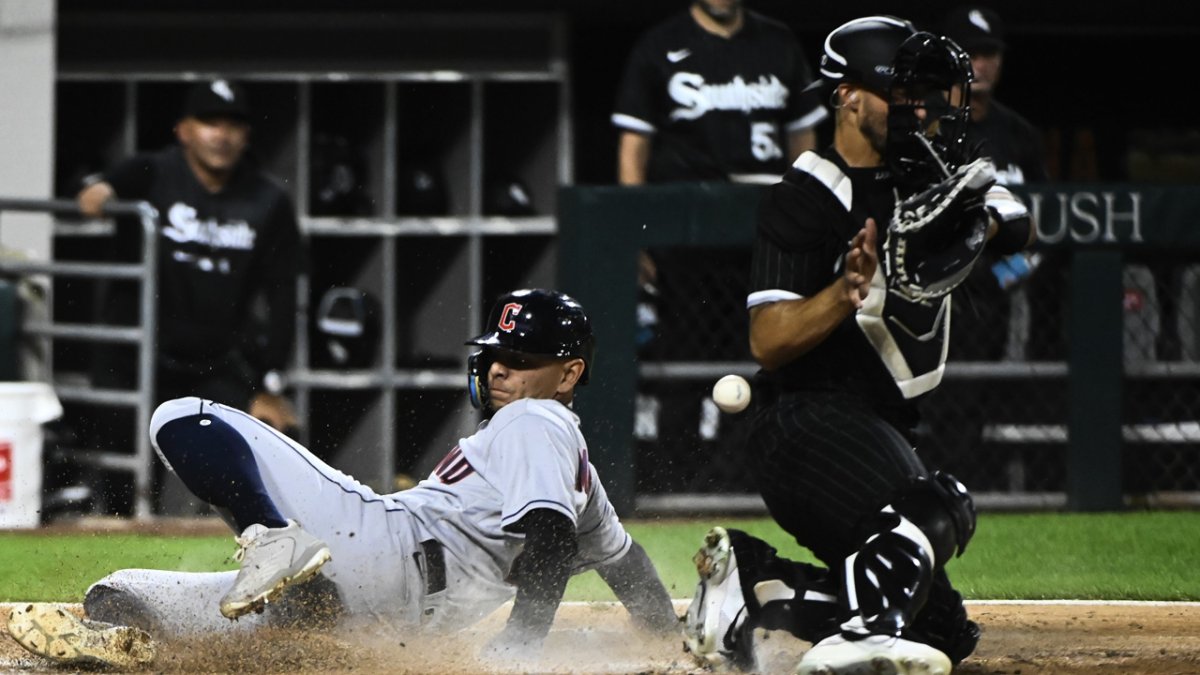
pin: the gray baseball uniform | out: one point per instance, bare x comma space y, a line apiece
435, 556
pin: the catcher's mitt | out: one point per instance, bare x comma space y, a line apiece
936, 235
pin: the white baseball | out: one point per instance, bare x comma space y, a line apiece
731, 393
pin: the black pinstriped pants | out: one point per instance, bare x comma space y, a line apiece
825, 465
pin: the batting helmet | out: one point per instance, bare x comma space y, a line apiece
531, 321
861, 51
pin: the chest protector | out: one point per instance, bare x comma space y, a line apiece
912, 338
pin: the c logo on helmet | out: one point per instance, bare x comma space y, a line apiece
507, 324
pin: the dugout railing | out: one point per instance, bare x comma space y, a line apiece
47, 331
1097, 427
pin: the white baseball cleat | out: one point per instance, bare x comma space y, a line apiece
272, 558
714, 629
54, 633
872, 655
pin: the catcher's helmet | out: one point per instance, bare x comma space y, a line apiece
531, 321
931, 73
861, 51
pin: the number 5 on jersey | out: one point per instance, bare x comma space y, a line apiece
764, 142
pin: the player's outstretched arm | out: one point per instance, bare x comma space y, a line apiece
635, 582
541, 573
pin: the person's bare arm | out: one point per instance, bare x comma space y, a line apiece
633, 154
801, 141
92, 198
784, 330
275, 410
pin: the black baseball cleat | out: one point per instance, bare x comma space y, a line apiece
716, 630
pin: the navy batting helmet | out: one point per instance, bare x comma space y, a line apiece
531, 321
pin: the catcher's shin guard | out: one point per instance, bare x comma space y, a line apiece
888, 579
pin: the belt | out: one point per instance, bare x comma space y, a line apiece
431, 561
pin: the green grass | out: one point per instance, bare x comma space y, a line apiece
45, 567
1129, 556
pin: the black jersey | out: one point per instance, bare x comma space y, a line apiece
1015, 147
1013, 144
718, 108
215, 252
892, 350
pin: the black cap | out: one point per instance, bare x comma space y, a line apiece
218, 98
975, 29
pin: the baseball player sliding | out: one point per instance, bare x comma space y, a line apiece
513, 510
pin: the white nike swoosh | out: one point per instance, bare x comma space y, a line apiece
677, 56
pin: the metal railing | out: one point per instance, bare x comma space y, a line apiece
140, 463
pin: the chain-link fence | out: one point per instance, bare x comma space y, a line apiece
999, 420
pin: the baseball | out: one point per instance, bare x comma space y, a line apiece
731, 393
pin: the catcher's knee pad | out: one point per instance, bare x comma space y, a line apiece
943, 509
889, 577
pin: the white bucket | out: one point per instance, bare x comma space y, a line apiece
24, 407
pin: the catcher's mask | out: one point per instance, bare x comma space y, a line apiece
536, 322
928, 111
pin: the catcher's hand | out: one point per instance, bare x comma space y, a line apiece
936, 235
861, 261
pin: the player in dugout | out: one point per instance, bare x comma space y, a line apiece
515, 509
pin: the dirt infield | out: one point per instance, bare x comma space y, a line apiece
1074, 638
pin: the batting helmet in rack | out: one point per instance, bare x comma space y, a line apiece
531, 321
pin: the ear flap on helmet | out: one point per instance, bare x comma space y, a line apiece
478, 365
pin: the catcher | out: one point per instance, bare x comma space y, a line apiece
857, 251
513, 510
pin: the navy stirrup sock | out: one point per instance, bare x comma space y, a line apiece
214, 461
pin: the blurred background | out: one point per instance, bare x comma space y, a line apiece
429, 147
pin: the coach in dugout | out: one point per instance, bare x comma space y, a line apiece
227, 234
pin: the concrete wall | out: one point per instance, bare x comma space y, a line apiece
27, 66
